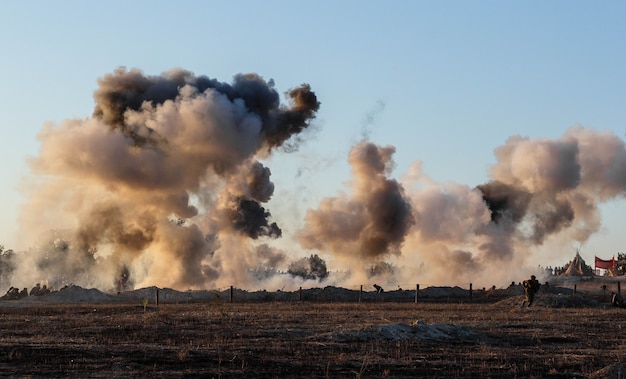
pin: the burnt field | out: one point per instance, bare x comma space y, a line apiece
562, 336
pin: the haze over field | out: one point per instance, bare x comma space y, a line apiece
179, 178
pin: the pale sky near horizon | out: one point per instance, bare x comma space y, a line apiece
444, 82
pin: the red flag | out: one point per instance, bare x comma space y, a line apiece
601, 263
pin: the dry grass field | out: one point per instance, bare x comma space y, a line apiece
313, 339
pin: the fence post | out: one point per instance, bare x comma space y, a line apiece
300, 293
574, 289
619, 288
156, 297
361, 293
470, 291
417, 293
231, 294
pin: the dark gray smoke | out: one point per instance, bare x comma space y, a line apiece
131, 90
250, 218
506, 203
309, 268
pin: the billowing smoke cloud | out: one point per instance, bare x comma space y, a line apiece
163, 181
542, 192
164, 185
244, 192
124, 91
369, 223
540, 182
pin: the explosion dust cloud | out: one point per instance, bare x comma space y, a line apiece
164, 185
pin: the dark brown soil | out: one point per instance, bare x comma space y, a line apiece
300, 339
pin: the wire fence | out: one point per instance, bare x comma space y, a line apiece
358, 294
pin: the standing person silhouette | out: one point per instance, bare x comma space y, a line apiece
531, 287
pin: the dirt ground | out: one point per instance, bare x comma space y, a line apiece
311, 339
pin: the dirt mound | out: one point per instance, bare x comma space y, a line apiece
168, 295
399, 331
439, 292
512, 295
73, 294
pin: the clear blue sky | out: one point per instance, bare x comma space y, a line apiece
445, 82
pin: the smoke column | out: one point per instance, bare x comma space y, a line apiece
162, 181
369, 223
